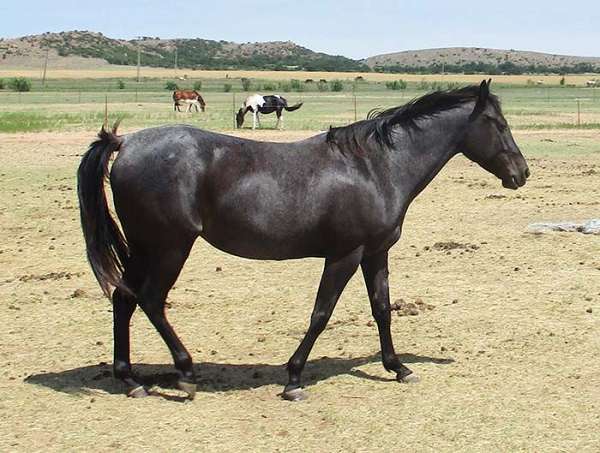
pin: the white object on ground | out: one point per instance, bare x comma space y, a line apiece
587, 227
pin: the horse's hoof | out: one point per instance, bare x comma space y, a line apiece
188, 387
296, 394
408, 379
138, 392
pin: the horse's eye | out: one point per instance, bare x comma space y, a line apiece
499, 124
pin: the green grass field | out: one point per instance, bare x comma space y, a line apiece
66, 104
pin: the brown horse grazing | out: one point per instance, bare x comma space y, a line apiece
341, 196
189, 97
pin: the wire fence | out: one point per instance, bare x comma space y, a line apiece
524, 107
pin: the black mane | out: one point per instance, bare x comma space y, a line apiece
380, 123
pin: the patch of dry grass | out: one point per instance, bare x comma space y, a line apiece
129, 72
508, 357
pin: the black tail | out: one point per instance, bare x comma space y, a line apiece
106, 247
293, 107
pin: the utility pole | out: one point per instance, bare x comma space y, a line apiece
138, 63
138, 57
45, 68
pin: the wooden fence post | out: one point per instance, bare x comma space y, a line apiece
233, 109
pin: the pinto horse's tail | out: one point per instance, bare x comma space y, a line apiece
293, 107
106, 246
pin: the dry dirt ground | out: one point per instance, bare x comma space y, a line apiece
502, 326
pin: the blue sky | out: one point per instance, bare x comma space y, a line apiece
352, 28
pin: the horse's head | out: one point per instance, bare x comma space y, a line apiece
489, 142
239, 118
201, 101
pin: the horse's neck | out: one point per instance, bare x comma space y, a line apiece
421, 153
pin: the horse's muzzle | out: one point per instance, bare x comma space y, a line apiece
516, 179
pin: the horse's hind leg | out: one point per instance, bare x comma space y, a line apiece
123, 307
335, 276
163, 269
375, 272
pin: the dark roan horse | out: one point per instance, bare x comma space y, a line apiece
341, 196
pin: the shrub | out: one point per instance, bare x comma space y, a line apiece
246, 84
396, 85
227, 87
19, 84
286, 87
296, 85
269, 86
171, 86
120, 84
1, 84
562, 82
198, 85
322, 85
423, 85
337, 85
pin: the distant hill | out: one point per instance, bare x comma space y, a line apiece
85, 49
190, 53
477, 59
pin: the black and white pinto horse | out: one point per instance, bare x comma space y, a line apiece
258, 103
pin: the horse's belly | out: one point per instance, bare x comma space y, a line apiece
262, 238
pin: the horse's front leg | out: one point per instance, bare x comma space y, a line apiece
254, 118
335, 276
375, 272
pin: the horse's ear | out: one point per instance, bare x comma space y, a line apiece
484, 93
484, 90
